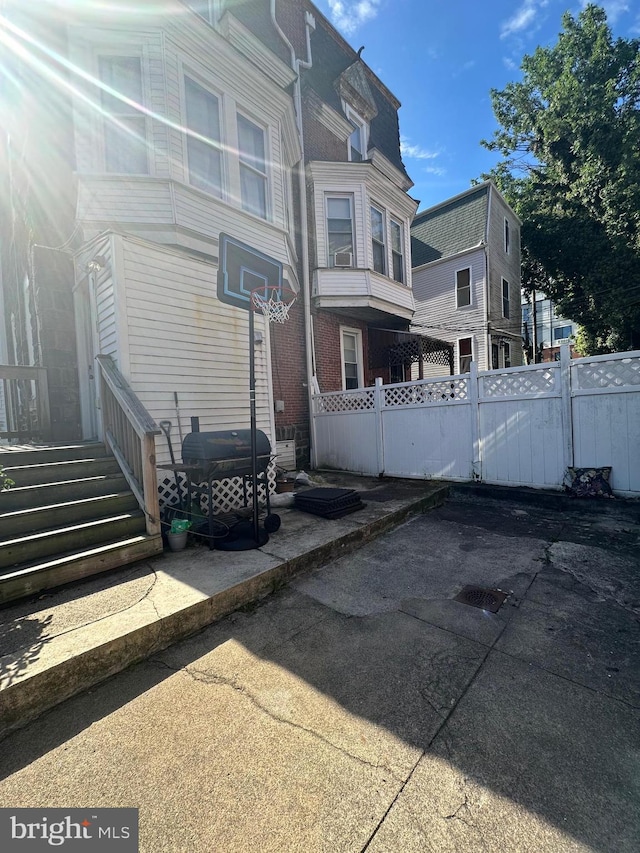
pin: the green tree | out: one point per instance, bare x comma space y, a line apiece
570, 138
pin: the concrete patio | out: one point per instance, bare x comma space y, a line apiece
64, 641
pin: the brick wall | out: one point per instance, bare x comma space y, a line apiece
328, 351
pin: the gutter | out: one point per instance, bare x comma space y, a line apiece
298, 65
487, 273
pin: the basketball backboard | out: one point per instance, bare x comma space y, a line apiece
243, 269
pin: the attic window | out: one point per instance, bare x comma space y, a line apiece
358, 138
207, 9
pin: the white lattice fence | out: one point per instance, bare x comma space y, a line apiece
228, 494
347, 401
605, 406
608, 372
523, 382
415, 393
519, 426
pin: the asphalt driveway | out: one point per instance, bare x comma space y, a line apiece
362, 708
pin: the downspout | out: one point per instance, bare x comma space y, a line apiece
487, 272
298, 65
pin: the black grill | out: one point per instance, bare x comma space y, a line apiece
225, 453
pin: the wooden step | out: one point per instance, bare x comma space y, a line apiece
46, 574
18, 522
56, 472
40, 454
24, 497
47, 543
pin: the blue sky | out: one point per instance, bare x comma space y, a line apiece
441, 57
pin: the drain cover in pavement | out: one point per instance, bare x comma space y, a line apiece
478, 596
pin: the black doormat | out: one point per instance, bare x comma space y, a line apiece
328, 502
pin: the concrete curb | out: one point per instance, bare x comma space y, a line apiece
106, 649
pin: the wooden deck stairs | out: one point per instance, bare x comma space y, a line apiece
70, 514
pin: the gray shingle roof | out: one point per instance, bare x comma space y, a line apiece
450, 228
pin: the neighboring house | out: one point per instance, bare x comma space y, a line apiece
552, 330
466, 278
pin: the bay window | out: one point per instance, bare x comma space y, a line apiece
124, 124
204, 151
378, 248
339, 231
253, 167
397, 253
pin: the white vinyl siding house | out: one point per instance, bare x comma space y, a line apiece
466, 277
437, 289
220, 139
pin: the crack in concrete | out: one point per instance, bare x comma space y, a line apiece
144, 595
436, 711
210, 678
455, 815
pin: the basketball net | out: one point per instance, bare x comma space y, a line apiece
274, 309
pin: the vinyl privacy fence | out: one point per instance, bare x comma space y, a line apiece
522, 426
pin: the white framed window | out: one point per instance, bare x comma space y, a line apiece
351, 351
507, 237
561, 333
506, 299
358, 140
463, 287
204, 149
507, 354
208, 9
397, 251
253, 167
124, 125
378, 242
465, 354
339, 230
495, 357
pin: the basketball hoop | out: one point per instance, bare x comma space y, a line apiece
273, 302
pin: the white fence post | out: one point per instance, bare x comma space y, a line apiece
473, 396
378, 398
567, 413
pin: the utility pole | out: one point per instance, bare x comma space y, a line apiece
534, 326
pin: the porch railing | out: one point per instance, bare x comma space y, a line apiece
129, 432
24, 402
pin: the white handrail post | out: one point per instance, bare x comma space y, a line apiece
378, 400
